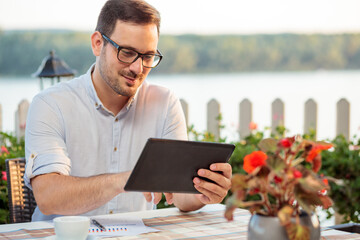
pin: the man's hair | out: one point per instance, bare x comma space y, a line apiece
132, 11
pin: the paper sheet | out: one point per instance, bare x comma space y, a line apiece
116, 226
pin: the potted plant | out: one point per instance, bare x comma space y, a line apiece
281, 189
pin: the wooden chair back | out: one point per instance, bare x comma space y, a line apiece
21, 199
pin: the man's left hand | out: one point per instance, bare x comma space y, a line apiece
213, 192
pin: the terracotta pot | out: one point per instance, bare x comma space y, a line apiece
266, 227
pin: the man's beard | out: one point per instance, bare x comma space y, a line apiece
115, 84
128, 90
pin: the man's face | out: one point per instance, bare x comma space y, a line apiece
125, 78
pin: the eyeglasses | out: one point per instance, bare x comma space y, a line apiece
127, 55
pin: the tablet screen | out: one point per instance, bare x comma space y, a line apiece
170, 165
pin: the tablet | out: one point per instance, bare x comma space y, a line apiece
170, 165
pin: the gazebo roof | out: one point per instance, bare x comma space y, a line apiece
53, 66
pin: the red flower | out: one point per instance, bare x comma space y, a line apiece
285, 142
315, 150
254, 191
277, 179
297, 174
4, 176
254, 160
326, 181
4, 150
252, 126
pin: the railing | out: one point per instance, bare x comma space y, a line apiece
278, 116
245, 116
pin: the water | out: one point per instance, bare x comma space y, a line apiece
294, 88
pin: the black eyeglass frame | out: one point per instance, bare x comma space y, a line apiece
139, 55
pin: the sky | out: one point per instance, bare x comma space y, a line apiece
195, 16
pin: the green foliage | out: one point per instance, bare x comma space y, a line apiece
243, 148
344, 163
9, 148
21, 52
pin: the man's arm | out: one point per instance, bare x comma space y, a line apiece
67, 195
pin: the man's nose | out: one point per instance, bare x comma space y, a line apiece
137, 66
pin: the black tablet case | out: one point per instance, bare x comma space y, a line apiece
170, 165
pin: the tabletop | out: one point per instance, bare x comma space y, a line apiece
207, 223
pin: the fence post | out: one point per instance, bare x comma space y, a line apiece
310, 116
185, 108
213, 114
342, 127
20, 118
245, 118
277, 114
1, 127
343, 118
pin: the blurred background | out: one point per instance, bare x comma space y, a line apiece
228, 50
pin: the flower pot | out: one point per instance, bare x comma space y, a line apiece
266, 227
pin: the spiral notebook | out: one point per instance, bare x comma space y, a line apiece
116, 226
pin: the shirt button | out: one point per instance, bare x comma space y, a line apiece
111, 212
96, 104
116, 119
115, 149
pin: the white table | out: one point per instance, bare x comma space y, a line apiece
158, 213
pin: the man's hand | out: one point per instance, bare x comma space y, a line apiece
213, 192
157, 197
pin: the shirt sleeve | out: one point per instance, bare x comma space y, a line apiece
175, 124
45, 148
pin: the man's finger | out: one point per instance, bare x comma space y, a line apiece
225, 168
169, 198
157, 197
147, 196
218, 178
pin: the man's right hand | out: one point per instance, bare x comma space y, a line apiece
157, 197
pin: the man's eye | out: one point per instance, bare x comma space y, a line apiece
128, 53
148, 57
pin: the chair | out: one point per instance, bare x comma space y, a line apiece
21, 199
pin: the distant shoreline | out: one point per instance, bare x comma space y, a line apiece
190, 53
212, 73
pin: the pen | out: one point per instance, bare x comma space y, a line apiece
96, 223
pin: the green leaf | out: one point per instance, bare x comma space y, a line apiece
306, 200
268, 145
276, 164
311, 184
238, 181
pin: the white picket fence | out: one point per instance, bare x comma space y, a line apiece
245, 116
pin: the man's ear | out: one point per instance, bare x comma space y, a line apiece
96, 43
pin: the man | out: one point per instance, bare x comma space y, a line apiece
83, 137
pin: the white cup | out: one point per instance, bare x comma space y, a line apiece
71, 227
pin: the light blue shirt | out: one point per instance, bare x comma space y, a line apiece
69, 131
